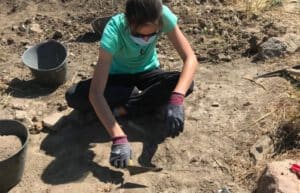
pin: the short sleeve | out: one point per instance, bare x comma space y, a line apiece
110, 37
169, 19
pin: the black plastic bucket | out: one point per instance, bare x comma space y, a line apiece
12, 168
47, 62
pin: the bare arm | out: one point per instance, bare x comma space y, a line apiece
96, 95
187, 54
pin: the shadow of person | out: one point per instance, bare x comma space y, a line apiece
88, 37
28, 89
71, 143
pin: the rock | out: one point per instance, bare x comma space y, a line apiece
292, 42
53, 121
247, 104
19, 104
202, 57
61, 107
215, 104
197, 2
274, 29
14, 28
57, 35
261, 148
273, 47
37, 127
27, 21
35, 119
277, 178
22, 28
10, 41
224, 57
94, 64
25, 42
20, 115
34, 27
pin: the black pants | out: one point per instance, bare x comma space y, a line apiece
156, 87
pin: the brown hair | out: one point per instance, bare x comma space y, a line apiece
140, 12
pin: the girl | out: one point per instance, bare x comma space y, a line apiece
127, 79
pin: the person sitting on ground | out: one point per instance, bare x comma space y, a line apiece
128, 79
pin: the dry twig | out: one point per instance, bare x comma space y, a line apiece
253, 81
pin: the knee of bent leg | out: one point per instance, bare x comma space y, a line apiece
69, 96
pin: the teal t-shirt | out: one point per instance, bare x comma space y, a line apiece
129, 57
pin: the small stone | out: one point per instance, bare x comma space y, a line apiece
27, 21
94, 64
215, 104
35, 119
14, 28
57, 35
292, 41
18, 105
223, 57
196, 31
197, 2
246, 104
194, 160
261, 148
202, 57
52, 121
20, 115
22, 28
171, 59
67, 23
35, 28
10, 41
61, 107
38, 126
24, 42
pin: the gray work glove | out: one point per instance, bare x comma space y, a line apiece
174, 119
120, 154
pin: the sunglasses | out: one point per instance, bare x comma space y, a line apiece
138, 35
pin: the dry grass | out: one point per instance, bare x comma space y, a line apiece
257, 5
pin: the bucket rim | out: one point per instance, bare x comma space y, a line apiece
39, 44
25, 142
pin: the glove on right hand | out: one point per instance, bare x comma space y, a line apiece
121, 153
175, 115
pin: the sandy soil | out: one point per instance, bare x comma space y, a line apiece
225, 115
9, 145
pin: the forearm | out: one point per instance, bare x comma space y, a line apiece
105, 115
187, 74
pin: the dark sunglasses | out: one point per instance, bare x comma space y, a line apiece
138, 35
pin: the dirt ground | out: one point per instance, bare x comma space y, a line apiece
225, 116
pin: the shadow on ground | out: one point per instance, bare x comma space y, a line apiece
71, 143
28, 88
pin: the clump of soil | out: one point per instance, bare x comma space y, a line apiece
9, 145
288, 136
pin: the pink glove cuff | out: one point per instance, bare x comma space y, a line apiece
120, 140
176, 98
